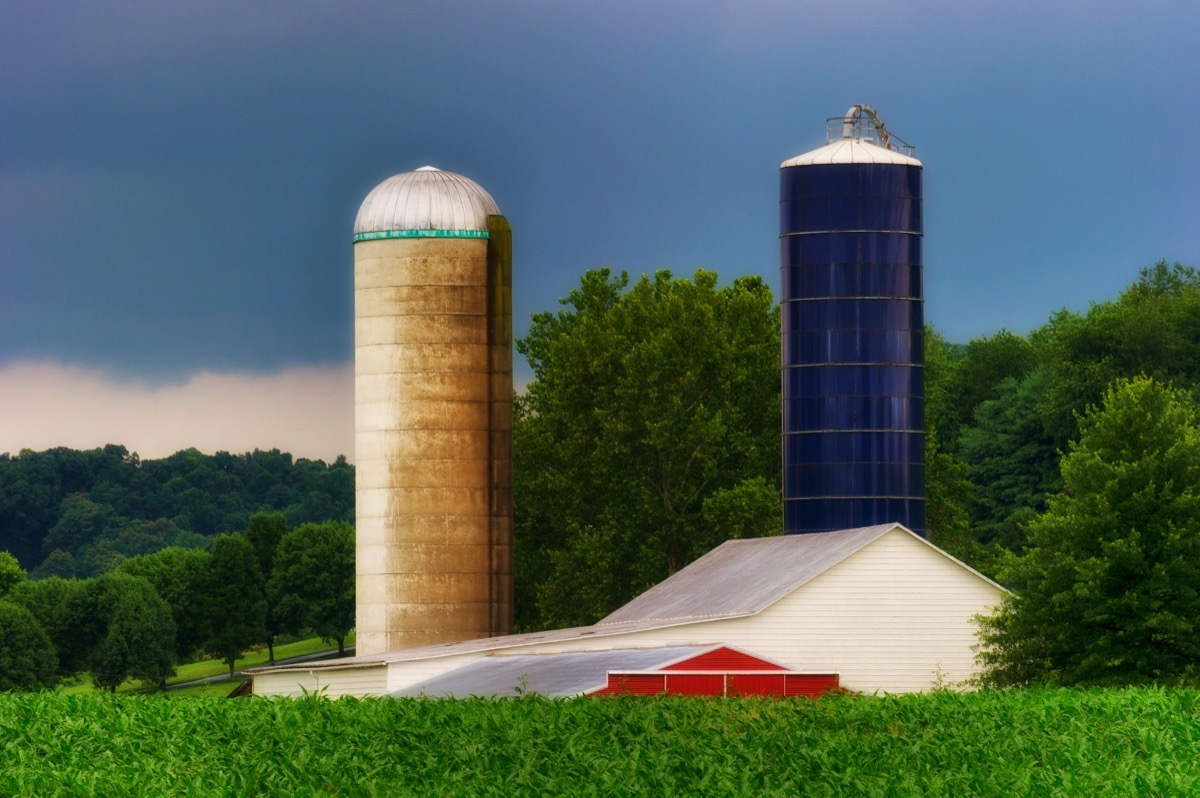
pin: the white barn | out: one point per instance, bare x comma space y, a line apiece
880, 606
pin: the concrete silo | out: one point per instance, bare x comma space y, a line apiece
433, 412
853, 331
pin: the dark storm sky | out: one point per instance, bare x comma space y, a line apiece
178, 182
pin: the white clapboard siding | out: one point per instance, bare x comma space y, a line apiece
330, 682
895, 616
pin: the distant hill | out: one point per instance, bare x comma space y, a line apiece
68, 512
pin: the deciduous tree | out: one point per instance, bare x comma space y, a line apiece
232, 599
648, 405
27, 657
139, 633
1108, 591
313, 581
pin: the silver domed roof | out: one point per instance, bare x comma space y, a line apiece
426, 199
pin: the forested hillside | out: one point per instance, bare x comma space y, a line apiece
80, 513
1002, 410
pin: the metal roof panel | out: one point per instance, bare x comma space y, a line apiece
425, 199
743, 577
552, 675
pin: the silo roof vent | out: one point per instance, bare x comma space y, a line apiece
425, 203
858, 137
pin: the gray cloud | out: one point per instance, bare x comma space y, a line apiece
306, 411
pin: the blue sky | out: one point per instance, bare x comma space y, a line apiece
178, 181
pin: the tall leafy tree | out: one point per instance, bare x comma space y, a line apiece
139, 633
64, 612
11, 573
264, 533
1011, 459
234, 609
651, 405
27, 657
178, 577
1108, 591
313, 581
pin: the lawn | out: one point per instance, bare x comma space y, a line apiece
210, 668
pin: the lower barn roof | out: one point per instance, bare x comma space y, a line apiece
552, 675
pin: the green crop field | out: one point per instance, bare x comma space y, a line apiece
1137, 742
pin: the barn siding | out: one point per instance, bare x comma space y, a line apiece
895, 616
330, 682
724, 659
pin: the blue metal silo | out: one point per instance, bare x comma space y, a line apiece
853, 331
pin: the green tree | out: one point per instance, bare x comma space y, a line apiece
62, 610
178, 577
1108, 591
139, 633
985, 364
647, 405
232, 599
58, 563
1012, 461
1152, 329
27, 657
313, 581
80, 522
11, 573
264, 532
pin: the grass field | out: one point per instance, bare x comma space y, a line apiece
206, 669
1137, 742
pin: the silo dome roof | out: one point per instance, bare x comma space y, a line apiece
425, 202
850, 150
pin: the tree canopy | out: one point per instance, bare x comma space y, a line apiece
67, 513
1108, 591
233, 602
27, 657
649, 434
313, 580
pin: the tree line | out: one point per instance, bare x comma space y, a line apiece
1058, 462
177, 604
70, 513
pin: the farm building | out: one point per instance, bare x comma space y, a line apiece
879, 607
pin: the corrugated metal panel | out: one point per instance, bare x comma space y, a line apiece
426, 199
696, 684
741, 577
553, 675
724, 659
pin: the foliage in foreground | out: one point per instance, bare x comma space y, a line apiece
1038, 742
1109, 591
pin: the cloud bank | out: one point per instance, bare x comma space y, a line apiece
306, 411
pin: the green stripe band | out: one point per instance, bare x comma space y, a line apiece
420, 234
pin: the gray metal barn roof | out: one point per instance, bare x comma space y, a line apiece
552, 675
738, 578
742, 577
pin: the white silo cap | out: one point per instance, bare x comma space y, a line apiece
850, 151
425, 202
